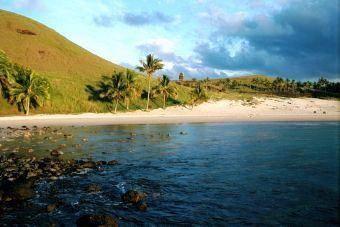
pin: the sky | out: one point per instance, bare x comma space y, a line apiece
295, 39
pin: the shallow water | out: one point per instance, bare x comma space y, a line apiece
233, 173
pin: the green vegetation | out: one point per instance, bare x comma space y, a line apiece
166, 89
150, 66
198, 94
131, 88
116, 88
28, 90
21, 86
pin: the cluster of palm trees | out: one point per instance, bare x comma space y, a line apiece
22, 86
280, 85
124, 86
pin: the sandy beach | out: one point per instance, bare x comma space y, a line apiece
259, 109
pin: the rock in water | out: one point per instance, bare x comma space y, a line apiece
112, 162
56, 153
142, 206
19, 192
93, 188
96, 220
133, 196
51, 207
89, 164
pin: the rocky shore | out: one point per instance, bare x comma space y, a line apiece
20, 172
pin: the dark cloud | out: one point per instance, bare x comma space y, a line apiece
298, 41
144, 18
135, 19
104, 20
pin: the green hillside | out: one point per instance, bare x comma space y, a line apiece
68, 66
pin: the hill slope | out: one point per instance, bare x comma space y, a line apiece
32, 44
68, 66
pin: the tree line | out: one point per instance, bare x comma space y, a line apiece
286, 86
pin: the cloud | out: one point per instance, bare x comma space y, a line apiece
29, 4
103, 20
299, 40
175, 64
145, 18
135, 19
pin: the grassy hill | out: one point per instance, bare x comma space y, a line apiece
68, 66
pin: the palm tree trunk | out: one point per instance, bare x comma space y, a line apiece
127, 104
116, 105
27, 106
149, 89
164, 101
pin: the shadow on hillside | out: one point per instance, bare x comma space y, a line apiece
94, 95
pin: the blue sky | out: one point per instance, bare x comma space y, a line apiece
202, 38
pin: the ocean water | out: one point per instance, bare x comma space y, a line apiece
197, 174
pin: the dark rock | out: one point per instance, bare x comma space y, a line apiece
142, 206
93, 188
96, 220
89, 164
25, 32
51, 207
56, 153
100, 163
112, 162
19, 192
132, 196
67, 136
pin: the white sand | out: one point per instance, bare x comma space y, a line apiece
262, 109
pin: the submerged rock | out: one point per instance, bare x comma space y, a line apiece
56, 153
17, 192
112, 162
51, 207
92, 188
68, 136
96, 220
142, 206
132, 196
88, 164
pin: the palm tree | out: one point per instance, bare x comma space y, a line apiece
279, 84
28, 89
5, 73
166, 89
131, 88
113, 88
150, 66
198, 94
322, 84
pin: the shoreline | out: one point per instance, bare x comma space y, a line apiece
259, 110
85, 120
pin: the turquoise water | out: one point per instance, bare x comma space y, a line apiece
217, 174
